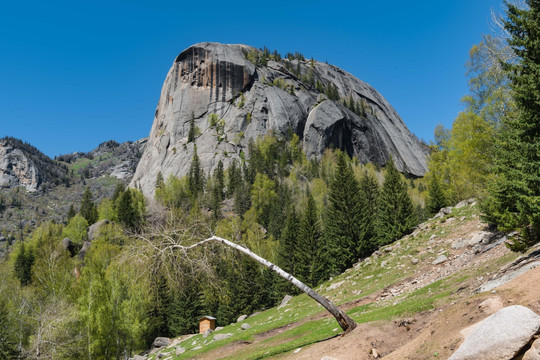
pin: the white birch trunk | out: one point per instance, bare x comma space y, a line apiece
346, 323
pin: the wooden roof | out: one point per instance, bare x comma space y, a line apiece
207, 318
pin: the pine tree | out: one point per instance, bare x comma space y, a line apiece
309, 244
514, 200
343, 234
192, 130
196, 176
160, 183
8, 341
369, 194
436, 198
88, 208
22, 265
288, 244
219, 176
396, 215
126, 212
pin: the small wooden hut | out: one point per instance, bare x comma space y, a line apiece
207, 322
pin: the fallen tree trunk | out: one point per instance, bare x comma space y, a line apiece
346, 323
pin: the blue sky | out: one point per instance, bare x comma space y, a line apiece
76, 73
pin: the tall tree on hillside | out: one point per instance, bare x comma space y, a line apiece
88, 207
288, 244
369, 195
343, 233
196, 176
22, 265
309, 244
436, 197
514, 200
396, 215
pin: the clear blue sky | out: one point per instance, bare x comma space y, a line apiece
76, 73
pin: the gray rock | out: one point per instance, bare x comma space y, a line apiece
212, 78
161, 342
139, 357
534, 352
245, 326
254, 314
219, 337
328, 358
68, 245
93, 230
414, 261
219, 328
84, 249
179, 350
285, 301
207, 332
500, 336
441, 259
241, 318
197, 348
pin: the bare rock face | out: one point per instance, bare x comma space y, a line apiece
232, 100
16, 169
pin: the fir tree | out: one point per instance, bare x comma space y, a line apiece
23, 265
396, 215
343, 233
88, 208
192, 130
514, 200
288, 244
369, 195
196, 176
160, 183
219, 176
126, 211
436, 198
309, 244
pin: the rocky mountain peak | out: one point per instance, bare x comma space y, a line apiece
234, 93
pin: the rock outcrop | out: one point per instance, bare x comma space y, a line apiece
500, 336
232, 96
23, 165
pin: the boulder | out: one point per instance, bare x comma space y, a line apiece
219, 337
534, 352
93, 230
285, 301
207, 332
139, 357
161, 342
67, 245
84, 249
179, 350
414, 261
500, 336
245, 326
241, 318
439, 260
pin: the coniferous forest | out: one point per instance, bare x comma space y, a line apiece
62, 298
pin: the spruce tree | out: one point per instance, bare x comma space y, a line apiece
343, 234
369, 195
219, 176
514, 199
88, 208
160, 183
126, 211
22, 265
288, 244
192, 130
309, 244
196, 176
436, 198
396, 215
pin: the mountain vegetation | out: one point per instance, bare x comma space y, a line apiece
115, 271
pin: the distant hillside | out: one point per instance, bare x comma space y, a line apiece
21, 164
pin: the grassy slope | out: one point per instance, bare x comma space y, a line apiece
364, 291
